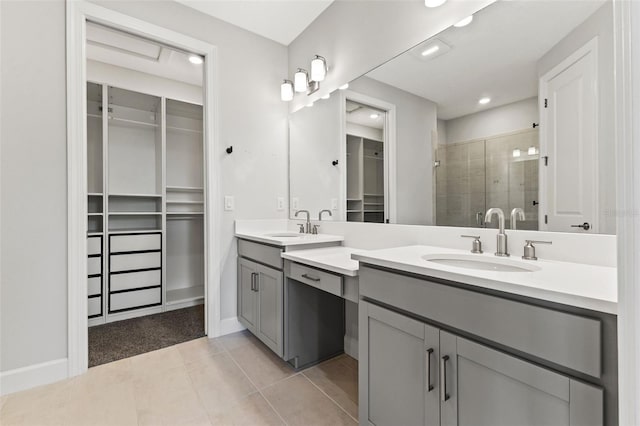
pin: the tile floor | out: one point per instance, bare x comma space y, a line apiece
232, 380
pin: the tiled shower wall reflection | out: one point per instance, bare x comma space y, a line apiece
475, 176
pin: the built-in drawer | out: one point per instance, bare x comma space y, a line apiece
133, 261
94, 305
94, 245
94, 265
316, 278
139, 242
94, 286
130, 280
262, 253
135, 299
569, 340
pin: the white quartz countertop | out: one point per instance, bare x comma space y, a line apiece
334, 259
581, 285
288, 238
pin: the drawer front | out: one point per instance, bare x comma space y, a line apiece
316, 278
94, 305
134, 299
129, 262
566, 339
262, 253
140, 242
94, 245
94, 286
133, 280
94, 265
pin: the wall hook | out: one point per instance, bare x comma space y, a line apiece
334, 162
535, 125
229, 150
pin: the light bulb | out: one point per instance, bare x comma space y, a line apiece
434, 3
300, 80
286, 91
318, 68
516, 153
463, 23
484, 101
196, 59
431, 50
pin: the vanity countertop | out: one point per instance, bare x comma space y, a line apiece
334, 259
581, 285
288, 238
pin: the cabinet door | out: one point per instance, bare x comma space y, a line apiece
247, 296
398, 369
482, 386
270, 294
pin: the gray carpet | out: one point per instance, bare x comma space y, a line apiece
123, 339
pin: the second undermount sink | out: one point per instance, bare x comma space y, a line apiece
480, 263
284, 235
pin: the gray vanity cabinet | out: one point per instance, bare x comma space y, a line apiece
412, 373
260, 302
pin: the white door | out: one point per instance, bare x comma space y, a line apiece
568, 167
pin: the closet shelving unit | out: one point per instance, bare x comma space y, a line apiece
365, 180
146, 203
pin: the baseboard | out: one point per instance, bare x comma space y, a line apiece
230, 325
34, 375
351, 346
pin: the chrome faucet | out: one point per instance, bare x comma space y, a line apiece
501, 240
308, 224
324, 211
516, 214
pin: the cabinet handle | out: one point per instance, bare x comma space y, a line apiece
309, 277
257, 282
254, 283
443, 386
429, 385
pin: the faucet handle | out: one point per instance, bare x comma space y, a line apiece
530, 249
314, 231
476, 245
301, 225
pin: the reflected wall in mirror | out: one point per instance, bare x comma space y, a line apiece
512, 111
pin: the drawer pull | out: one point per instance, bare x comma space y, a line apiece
309, 277
443, 388
430, 387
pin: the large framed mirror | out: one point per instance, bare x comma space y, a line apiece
511, 108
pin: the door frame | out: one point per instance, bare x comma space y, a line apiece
78, 12
591, 47
389, 145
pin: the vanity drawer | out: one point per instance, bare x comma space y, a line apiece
131, 280
569, 340
139, 242
94, 265
262, 253
94, 246
135, 299
94, 286
134, 261
316, 278
94, 306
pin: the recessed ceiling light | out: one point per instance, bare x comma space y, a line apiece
466, 21
196, 59
484, 101
344, 87
434, 3
327, 96
516, 153
431, 50
532, 150
374, 115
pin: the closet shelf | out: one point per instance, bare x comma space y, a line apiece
94, 233
135, 213
184, 202
95, 194
94, 214
184, 213
94, 116
354, 211
136, 195
373, 195
132, 123
184, 130
184, 189
133, 231
374, 211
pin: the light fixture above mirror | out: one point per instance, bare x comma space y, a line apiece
304, 81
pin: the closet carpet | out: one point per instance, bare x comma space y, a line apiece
124, 339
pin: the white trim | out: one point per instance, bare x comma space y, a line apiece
627, 61
78, 12
390, 190
230, 325
591, 47
33, 375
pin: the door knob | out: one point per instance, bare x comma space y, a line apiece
584, 226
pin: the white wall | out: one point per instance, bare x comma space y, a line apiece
599, 24
415, 119
357, 36
495, 121
33, 222
365, 131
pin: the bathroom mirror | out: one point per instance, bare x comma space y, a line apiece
508, 109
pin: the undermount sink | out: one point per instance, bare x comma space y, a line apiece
284, 235
480, 263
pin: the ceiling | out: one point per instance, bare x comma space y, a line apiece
362, 115
495, 56
278, 20
128, 51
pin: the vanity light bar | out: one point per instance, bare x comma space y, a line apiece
304, 81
